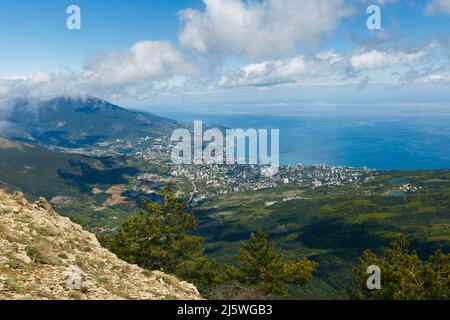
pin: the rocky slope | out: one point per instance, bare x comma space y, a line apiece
46, 256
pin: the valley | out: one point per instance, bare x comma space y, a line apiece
333, 226
96, 163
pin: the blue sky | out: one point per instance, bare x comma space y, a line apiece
223, 52
36, 36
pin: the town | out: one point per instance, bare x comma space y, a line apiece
207, 181
200, 182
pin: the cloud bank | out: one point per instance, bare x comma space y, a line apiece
267, 37
135, 72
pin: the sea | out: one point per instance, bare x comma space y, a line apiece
382, 137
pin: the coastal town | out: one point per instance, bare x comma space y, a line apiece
220, 180
207, 181
201, 182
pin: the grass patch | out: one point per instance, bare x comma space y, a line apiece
427, 210
361, 218
42, 251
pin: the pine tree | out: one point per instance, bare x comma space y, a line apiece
263, 267
159, 239
404, 276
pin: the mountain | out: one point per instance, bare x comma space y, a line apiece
46, 256
74, 122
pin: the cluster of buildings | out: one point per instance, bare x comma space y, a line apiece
221, 180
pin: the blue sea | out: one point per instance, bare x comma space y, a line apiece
404, 137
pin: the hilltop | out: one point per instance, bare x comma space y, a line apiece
46, 256
75, 122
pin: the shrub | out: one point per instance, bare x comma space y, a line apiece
43, 252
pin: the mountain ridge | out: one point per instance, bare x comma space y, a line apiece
46, 256
77, 121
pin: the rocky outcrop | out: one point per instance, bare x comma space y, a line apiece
46, 256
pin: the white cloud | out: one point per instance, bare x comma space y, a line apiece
150, 70
332, 68
133, 72
437, 74
43, 85
383, 59
144, 61
266, 73
258, 28
435, 7
298, 69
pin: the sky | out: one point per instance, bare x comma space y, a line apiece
217, 53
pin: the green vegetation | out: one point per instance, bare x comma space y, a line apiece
404, 276
159, 239
330, 226
333, 226
74, 122
263, 268
67, 180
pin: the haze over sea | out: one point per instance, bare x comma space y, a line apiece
401, 136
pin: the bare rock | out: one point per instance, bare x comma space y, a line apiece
43, 203
46, 256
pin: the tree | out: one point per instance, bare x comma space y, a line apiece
159, 239
264, 268
404, 276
